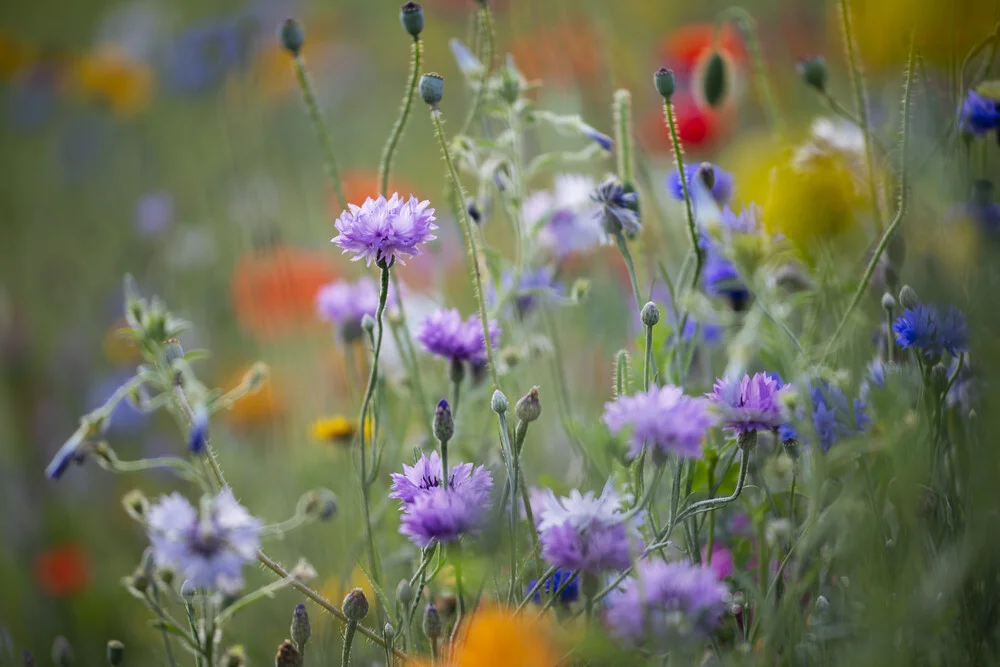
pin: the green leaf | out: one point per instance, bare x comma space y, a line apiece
380, 594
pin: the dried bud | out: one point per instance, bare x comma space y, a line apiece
499, 402
444, 423
432, 88
663, 79
814, 72
431, 624
528, 409
411, 15
404, 592
301, 630
650, 314
356, 605
292, 36
908, 297
62, 652
236, 656
319, 504
136, 505
715, 80
116, 652
288, 656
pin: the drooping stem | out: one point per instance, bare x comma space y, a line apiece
710, 504
861, 100
668, 111
345, 656
385, 166
630, 265
473, 260
901, 211
326, 143
748, 27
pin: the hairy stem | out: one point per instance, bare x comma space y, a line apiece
309, 97
385, 165
668, 112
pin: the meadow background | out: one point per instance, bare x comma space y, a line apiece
168, 140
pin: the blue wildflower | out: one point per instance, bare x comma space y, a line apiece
981, 208
931, 331
833, 416
198, 434
979, 114
203, 56
534, 287
723, 280
617, 213
722, 188
601, 139
569, 594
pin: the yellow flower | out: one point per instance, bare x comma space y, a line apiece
339, 430
335, 589
110, 77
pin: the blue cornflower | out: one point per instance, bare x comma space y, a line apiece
617, 213
198, 433
981, 208
601, 139
571, 593
979, 114
722, 188
534, 287
931, 331
833, 416
722, 279
203, 55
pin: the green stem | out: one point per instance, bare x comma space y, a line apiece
903, 184
647, 359
537, 587
668, 111
459, 590
623, 136
167, 646
748, 27
345, 657
861, 100
410, 355
484, 27
467, 234
715, 503
512, 476
309, 97
385, 165
630, 265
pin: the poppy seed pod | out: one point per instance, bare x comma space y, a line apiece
715, 80
411, 15
292, 35
814, 73
663, 79
431, 88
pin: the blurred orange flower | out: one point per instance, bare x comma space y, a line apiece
360, 184
256, 407
110, 77
63, 570
559, 54
496, 637
274, 289
15, 56
118, 349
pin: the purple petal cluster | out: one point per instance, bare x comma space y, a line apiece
663, 419
385, 230
932, 331
722, 189
565, 219
617, 209
585, 532
666, 602
979, 114
750, 404
209, 548
447, 335
533, 288
344, 303
432, 513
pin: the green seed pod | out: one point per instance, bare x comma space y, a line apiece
431, 88
116, 652
411, 15
528, 409
292, 36
499, 402
715, 80
301, 629
663, 80
814, 73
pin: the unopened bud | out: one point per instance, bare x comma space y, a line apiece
236, 656
356, 605
431, 88
301, 629
814, 72
136, 505
198, 433
528, 409
172, 351
444, 423
404, 592
368, 323
650, 314
431, 623
715, 81
188, 591
319, 504
288, 655
499, 402
62, 652
292, 35
388, 633
908, 297
663, 79
116, 652
411, 15
888, 303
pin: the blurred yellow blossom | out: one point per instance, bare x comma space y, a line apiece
335, 588
117, 348
339, 430
255, 407
112, 78
496, 637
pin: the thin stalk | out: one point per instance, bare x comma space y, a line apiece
861, 100
408, 354
623, 136
903, 184
459, 591
630, 265
484, 29
385, 165
466, 227
537, 587
748, 27
668, 112
647, 369
710, 504
167, 645
309, 97
345, 656
509, 452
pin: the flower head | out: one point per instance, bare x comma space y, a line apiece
344, 303
979, 114
617, 212
679, 597
722, 187
385, 230
663, 419
561, 580
339, 430
445, 334
566, 219
425, 476
931, 331
832, 415
749, 404
585, 532
208, 548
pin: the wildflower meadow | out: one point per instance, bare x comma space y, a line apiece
499, 333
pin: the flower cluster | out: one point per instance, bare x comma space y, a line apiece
932, 331
447, 335
566, 219
663, 419
433, 513
385, 230
750, 404
979, 114
832, 415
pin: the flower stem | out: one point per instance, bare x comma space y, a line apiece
623, 135
385, 166
456, 563
861, 100
748, 26
309, 97
406, 350
466, 226
484, 28
345, 657
668, 111
630, 265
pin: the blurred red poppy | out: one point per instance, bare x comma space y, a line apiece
274, 288
684, 48
699, 128
63, 570
560, 54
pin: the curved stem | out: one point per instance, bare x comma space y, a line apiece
537, 587
668, 111
309, 97
710, 504
748, 26
466, 226
630, 265
385, 165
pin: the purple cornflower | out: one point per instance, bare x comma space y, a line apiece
663, 419
473, 482
666, 602
931, 331
535, 285
345, 304
584, 532
833, 416
750, 404
445, 334
208, 548
566, 219
722, 188
439, 515
979, 114
617, 209
385, 230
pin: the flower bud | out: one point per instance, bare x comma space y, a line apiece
301, 630
136, 505
116, 652
650, 314
62, 652
528, 409
510, 83
411, 15
431, 88
888, 303
288, 656
367, 323
319, 504
499, 402
444, 423
404, 592
474, 213
188, 591
356, 605
388, 633
431, 623
172, 351
235, 656
908, 297
663, 79
715, 80
814, 73
198, 434
292, 36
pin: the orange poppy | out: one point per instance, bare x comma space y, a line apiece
497, 637
255, 407
560, 54
274, 289
63, 570
360, 184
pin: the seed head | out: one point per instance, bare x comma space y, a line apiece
432, 88
411, 15
292, 36
663, 79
